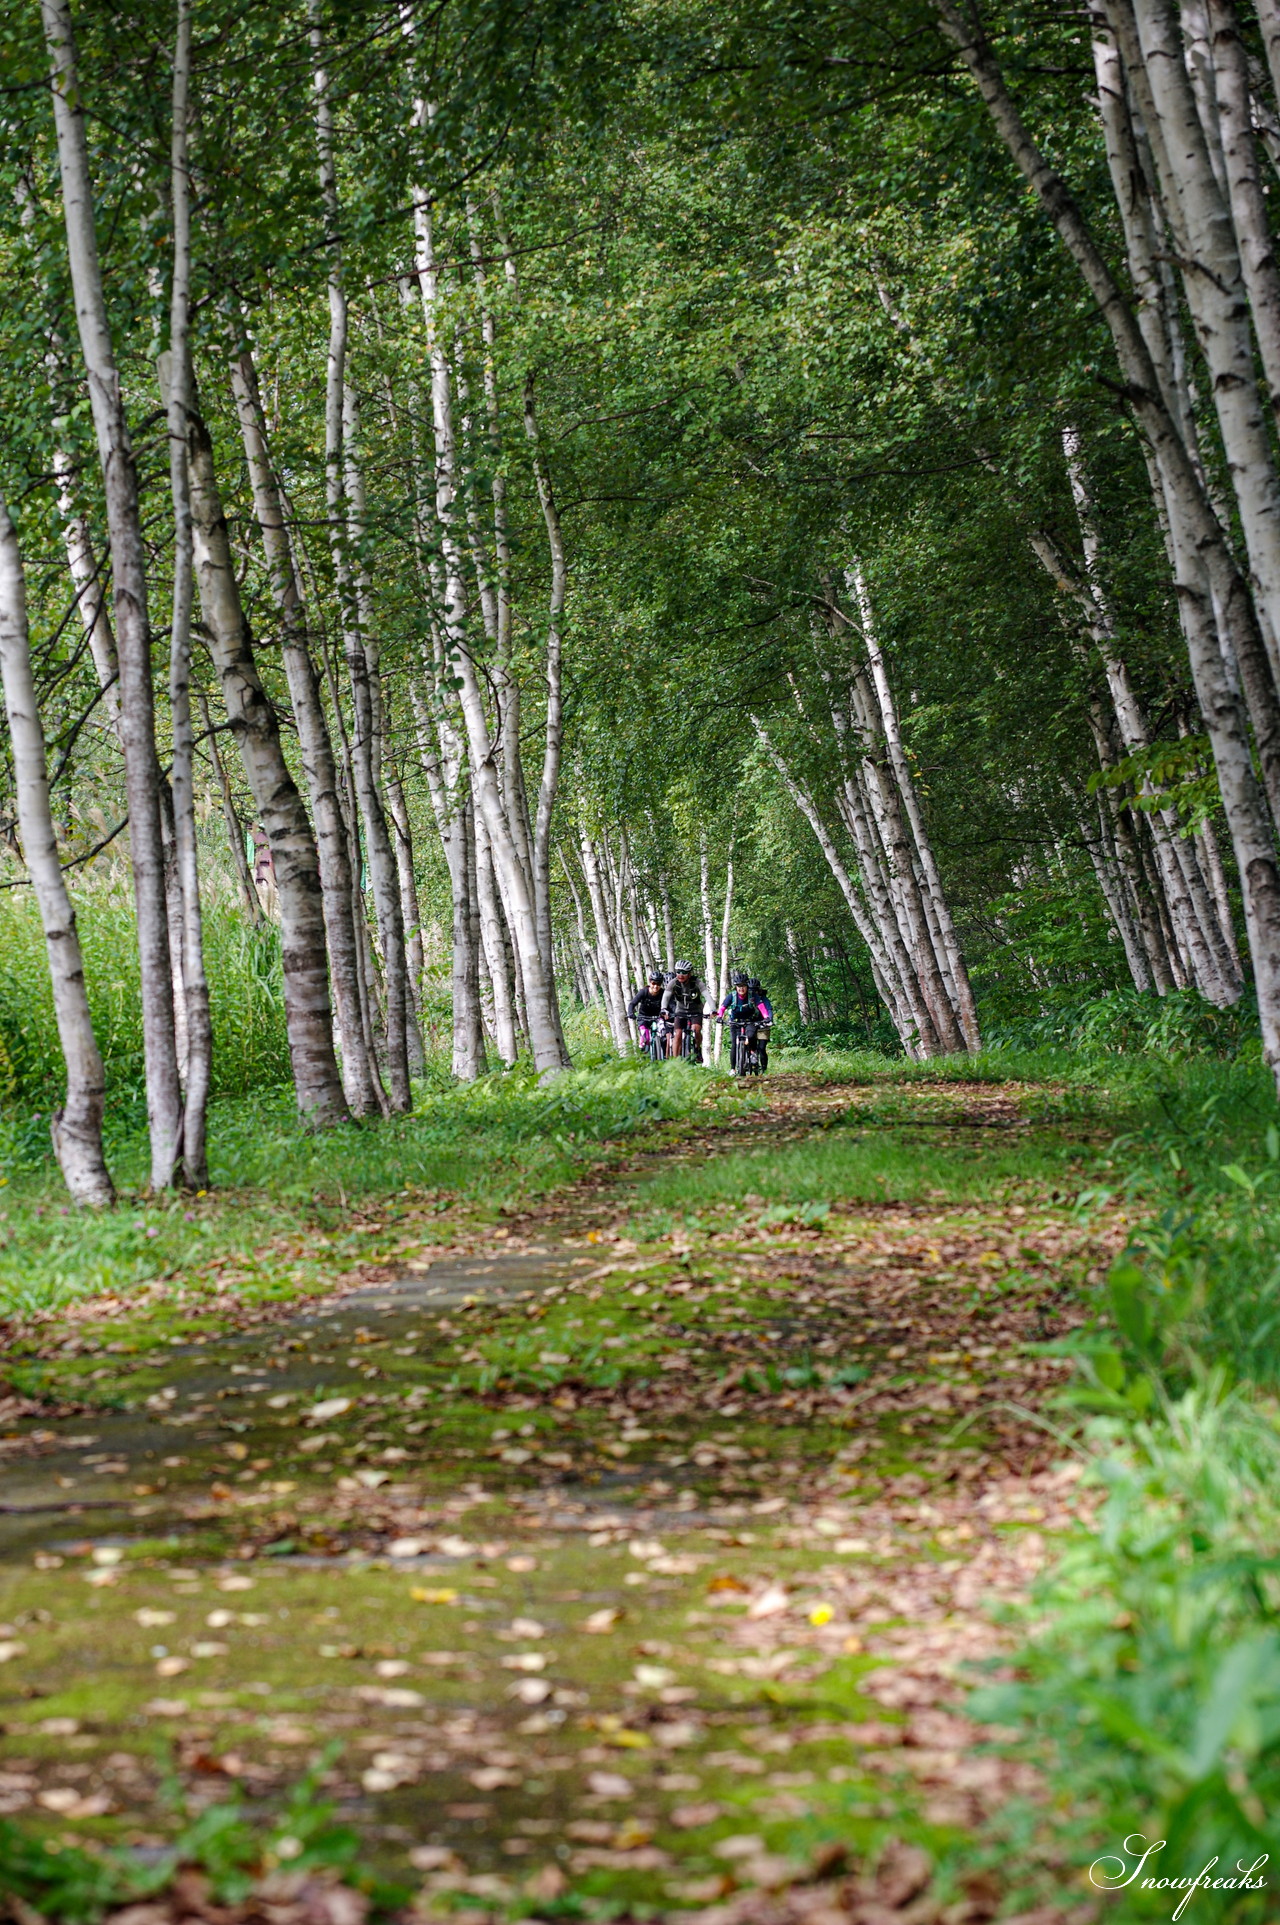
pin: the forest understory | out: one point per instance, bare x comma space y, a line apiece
634, 1553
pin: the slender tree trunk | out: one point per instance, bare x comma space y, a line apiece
722, 986
797, 971
87, 577
129, 584
345, 508
493, 934
1245, 192
308, 1014
398, 810
1214, 286
176, 378
708, 931
554, 727
898, 990
235, 828
315, 741
518, 899
950, 954
76, 1127
606, 946
1192, 913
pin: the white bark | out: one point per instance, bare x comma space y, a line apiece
77, 1126
606, 947
359, 1073
308, 1012
176, 379
344, 500
950, 956
129, 582
708, 932
1197, 538
797, 972
493, 936
518, 899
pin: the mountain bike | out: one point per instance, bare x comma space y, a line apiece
746, 1049
653, 1040
684, 1041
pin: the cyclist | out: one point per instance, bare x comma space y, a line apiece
746, 1002
645, 1006
682, 1005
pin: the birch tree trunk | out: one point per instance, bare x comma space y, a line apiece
1244, 186
958, 986
1214, 285
176, 378
358, 1070
708, 932
76, 1127
411, 912
493, 935
129, 583
308, 1014
549, 1053
554, 725
95, 617
797, 972
606, 947
722, 986
343, 492
235, 828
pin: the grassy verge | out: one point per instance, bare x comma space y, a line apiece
289, 1208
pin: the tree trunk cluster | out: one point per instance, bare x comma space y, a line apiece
338, 846
1194, 321
891, 883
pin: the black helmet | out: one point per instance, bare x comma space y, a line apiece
741, 980
654, 975
684, 969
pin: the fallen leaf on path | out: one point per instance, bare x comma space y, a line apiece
770, 1603
530, 1690
690, 1817
609, 1784
330, 1407
741, 1845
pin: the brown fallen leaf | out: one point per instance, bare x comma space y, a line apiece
689, 1817
609, 1784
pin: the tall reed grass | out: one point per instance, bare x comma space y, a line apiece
249, 1045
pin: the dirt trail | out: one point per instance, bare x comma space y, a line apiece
588, 1561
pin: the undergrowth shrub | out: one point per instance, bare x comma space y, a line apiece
1153, 1679
1124, 1022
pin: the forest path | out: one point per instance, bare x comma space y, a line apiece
629, 1553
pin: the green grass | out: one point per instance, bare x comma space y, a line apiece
246, 1005
276, 1185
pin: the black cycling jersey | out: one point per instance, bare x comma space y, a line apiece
682, 999
645, 1006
